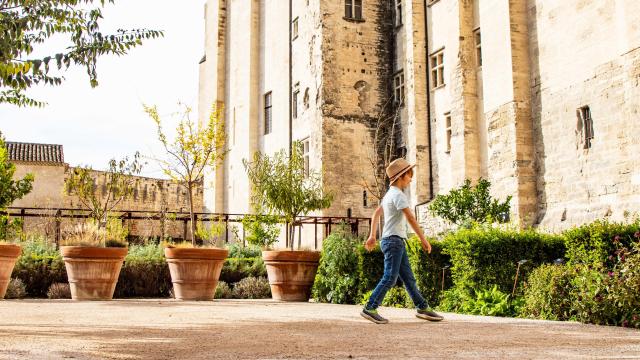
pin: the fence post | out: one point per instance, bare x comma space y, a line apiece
226, 228
315, 233
184, 229
22, 211
58, 214
129, 236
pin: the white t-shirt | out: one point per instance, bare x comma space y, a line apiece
395, 222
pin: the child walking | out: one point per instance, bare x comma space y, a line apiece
395, 208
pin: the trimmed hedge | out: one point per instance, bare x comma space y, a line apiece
483, 256
593, 243
236, 269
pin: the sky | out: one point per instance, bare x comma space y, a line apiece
95, 125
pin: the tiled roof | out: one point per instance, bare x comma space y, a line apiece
38, 153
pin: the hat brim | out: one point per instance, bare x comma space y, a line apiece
398, 175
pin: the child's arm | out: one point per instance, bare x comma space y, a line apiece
375, 218
414, 225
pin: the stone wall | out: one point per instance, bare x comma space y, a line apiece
149, 194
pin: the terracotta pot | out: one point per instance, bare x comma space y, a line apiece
195, 272
8, 255
291, 273
92, 271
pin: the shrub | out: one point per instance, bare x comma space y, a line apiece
593, 243
486, 302
427, 268
396, 297
223, 291
145, 273
370, 267
39, 266
483, 256
239, 251
261, 230
338, 278
59, 291
548, 291
252, 288
470, 204
236, 269
15, 289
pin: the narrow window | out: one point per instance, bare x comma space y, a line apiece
305, 99
294, 101
398, 12
353, 9
305, 156
294, 30
587, 125
478, 42
447, 118
398, 86
267, 113
437, 69
364, 198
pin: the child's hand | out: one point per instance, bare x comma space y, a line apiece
426, 246
370, 243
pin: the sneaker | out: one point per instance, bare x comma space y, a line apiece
372, 315
428, 314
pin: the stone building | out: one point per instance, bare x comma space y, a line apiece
46, 163
541, 97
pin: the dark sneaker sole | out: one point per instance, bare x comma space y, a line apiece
430, 318
372, 319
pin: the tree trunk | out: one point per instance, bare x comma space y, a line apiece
191, 216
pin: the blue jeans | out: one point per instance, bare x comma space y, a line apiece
396, 263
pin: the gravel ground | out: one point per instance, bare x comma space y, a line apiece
258, 329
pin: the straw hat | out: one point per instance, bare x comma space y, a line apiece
397, 168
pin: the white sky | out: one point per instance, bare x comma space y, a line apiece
95, 125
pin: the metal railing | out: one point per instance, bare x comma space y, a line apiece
54, 218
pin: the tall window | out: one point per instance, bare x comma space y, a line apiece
294, 30
437, 69
305, 156
587, 125
398, 12
477, 39
447, 119
398, 86
267, 113
294, 101
353, 9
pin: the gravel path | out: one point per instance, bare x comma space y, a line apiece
250, 329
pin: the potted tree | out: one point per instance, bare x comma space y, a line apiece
93, 252
282, 186
10, 190
194, 269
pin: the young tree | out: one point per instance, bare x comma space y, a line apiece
194, 149
281, 186
10, 189
29, 24
119, 182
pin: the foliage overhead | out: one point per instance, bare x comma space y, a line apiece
27, 26
469, 203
